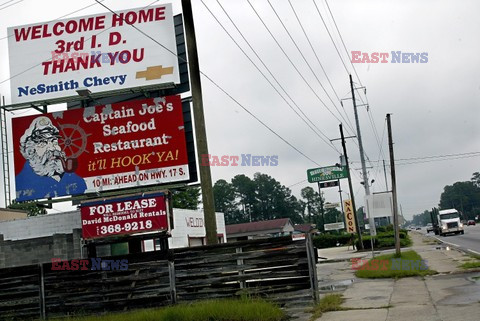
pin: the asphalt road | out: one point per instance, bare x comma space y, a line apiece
468, 241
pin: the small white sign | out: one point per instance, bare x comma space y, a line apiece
298, 237
331, 205
334, 226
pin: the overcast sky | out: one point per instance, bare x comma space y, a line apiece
434, 105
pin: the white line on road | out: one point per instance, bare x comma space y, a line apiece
474, 251
443, 241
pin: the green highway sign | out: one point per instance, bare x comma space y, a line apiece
326, 173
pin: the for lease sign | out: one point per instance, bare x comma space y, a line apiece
103, 52
134, 143
124, 216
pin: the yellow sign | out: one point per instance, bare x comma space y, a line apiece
349, 217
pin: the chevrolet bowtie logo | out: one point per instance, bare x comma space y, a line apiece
154, 72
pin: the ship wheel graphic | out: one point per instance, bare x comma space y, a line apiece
73, 142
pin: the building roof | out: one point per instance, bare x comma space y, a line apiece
257, 226
7, 214
304, 228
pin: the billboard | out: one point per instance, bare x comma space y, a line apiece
102, 53
124, 216
100, 148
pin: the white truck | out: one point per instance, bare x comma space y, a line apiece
446, 221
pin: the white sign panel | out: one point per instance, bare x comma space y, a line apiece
331, 205
334, 226
298, 237
103, 52
380, 205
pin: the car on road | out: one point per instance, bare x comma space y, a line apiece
429, 227
471, 222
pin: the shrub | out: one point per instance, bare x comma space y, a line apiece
331, 240
385, 239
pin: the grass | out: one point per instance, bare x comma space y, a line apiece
330, 302
333, 302
475, 256
474, 262
211, 310
430, 241
374, 270
470, 265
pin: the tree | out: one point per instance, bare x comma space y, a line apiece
31, 207
257, 199
422, 219
273, 200
333, 215
186, 198
313, 202
463, 196
245, 191
224, 194
476, 179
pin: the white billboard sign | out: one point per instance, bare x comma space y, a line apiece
101, 53
380, 205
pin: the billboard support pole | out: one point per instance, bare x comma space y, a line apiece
5, 160
394, 188
199, 119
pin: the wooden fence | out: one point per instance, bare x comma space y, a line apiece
278, 269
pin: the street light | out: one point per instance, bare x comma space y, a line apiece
371, 183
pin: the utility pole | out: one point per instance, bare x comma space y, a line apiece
371, 221
199, 120
352, 196
341, 199
385, 173
394, 188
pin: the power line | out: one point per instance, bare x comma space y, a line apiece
320, 63
331, 38
10, 5
219, 87
66, 15
297, 183
326, 139
305, 59
438, 156
6, 2
438, 160
372, 122
344, 46
381, 151
290, 60
313, 49
28, 69
429, 159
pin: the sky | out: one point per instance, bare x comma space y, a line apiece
434, 105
